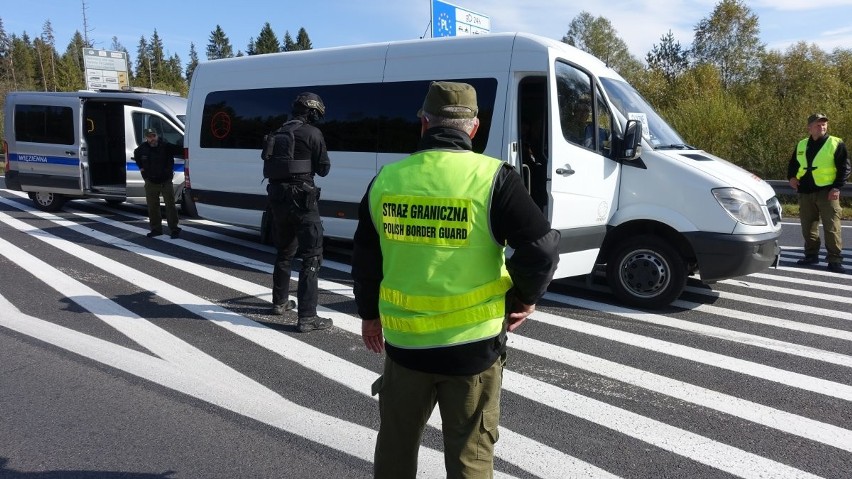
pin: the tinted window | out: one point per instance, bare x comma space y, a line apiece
143, 121
364, 117
44, 124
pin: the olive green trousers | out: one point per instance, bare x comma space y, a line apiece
470, 412
814, 207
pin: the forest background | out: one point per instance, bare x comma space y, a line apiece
726, 93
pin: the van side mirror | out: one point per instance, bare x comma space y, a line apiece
632, 142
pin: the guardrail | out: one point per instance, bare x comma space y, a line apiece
781, 187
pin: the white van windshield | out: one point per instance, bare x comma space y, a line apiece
630, 103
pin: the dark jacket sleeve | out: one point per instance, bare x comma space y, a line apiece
140, 156
841, 162
321, 163
517, 221
366, 263
793, 166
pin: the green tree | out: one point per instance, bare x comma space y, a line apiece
267, 41
7, 79
47, 47
303, 42
144, 76
219, 46
668, 57
596, 35
24, 63
729, 39
193, 62
288, 45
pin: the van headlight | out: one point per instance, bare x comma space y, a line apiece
741, 206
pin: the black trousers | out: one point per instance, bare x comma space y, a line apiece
298, 231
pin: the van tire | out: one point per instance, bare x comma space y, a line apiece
49, 202
646, 271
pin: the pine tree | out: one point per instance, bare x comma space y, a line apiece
144, 73
668, 58
267, 41
303, 42
219, 46
48, 42
288, 45
193, 62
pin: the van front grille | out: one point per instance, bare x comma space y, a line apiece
774, 207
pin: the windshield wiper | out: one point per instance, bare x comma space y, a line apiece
675, 146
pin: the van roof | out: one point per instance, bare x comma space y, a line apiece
492, 42
174, 106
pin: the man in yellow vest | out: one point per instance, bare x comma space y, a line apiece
817, 171
435, 291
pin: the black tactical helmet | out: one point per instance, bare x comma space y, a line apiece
309, 101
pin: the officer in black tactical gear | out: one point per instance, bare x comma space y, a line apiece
292, 155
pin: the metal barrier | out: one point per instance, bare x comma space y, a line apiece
781, 187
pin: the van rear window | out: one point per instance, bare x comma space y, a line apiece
44, 124
362, 117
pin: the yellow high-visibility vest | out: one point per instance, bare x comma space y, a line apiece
824, 169
444, 277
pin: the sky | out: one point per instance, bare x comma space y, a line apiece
330, 23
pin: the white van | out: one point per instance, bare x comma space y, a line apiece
618, 182
69, 145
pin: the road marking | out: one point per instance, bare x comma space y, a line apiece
748, 459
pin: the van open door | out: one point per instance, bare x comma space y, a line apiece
583, 178
49, 152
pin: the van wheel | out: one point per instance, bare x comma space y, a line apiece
646, 271
47, 201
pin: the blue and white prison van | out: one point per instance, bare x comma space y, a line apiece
62, 146
629, 196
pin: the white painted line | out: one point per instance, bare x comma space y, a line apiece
749, 368
693, 446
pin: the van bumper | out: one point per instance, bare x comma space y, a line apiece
722, 256
13, 182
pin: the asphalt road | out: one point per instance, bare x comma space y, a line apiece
128, 357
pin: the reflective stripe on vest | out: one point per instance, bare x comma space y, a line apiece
444, 279
823, 168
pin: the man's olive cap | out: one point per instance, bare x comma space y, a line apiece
450, 100
817, 117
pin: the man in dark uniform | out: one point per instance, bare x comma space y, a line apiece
292, 156
156, 160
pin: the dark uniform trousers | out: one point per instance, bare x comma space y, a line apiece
153, 191
298, 230
470, 413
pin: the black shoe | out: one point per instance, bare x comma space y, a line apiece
154, 234
278, 309
175, 233
314, 323
808, 259
836, 268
